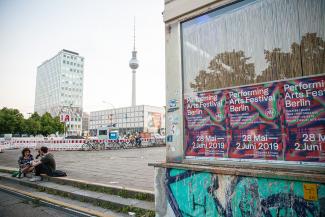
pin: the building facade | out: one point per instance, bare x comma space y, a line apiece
85, 123
128, 120
244, 135
59, 89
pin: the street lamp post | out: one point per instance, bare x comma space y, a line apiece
70, 114
108, 103
64, 125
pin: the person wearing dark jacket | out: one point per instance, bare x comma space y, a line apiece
46, 165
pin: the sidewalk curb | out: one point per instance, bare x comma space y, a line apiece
53, 201
8, 169
107, 204
109, 189
97, 187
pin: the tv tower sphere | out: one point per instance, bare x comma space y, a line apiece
134, 63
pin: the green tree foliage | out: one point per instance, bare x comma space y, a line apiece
47, 124
33, 127
12, 121
58, 126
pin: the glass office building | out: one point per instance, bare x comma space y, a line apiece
59, 88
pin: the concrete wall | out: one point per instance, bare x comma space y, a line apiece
196, 192
175, 12
185, 193
174, 116
175, 9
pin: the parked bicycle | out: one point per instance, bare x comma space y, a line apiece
91, 146
94, 145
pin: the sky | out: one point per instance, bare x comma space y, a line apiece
99, 30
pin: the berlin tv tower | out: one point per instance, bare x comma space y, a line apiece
134, 64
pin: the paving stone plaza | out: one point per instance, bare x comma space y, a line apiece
126, 168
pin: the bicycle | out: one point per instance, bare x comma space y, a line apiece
112, 145
89, 146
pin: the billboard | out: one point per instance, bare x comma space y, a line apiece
154, 120
283, 120
64, 117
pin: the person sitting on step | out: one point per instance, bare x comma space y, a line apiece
25, 162
46, 165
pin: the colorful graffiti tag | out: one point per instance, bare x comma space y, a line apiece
201, 194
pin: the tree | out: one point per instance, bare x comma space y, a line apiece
47, 124
232, 68
50, 125
35, 116
33, 124
11, 121
33, 127
224, 70
58, 126
306, 58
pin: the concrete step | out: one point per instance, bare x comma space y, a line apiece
102, 199
74, 207
18, 205
138, 194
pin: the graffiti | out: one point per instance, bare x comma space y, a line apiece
192, 194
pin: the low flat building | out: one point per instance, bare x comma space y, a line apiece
128, 120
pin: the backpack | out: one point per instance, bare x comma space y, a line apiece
58, 173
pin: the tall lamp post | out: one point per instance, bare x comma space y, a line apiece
105, 102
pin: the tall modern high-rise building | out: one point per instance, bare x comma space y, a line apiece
59, 89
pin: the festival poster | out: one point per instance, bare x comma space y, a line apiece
205, 124
304, 101
255, 130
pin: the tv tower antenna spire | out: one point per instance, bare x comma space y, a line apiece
134, 33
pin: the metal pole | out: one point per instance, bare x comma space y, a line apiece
70, 114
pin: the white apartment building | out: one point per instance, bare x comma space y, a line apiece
59, 88
141, 118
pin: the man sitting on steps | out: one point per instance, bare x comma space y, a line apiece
46, 165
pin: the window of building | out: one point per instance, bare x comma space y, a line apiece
248, 42
266, 41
